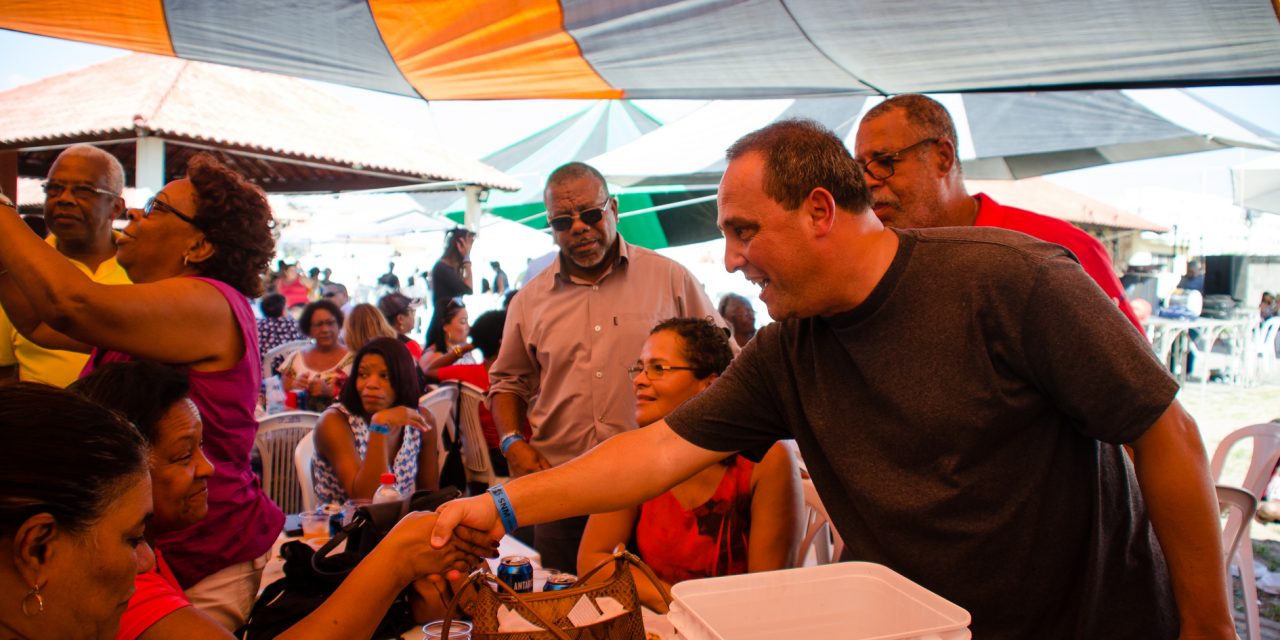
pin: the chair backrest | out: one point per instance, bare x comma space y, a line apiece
1238, 507
277, 437
475, 450
438, 404
1266, 451
303, 455
820, 534
277, 355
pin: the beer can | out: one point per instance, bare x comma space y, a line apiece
517, 573
560, 582
334, 511
303, 399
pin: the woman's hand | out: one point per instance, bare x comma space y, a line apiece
409, 541
397, 417
301, 382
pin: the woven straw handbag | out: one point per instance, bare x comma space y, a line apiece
550, 609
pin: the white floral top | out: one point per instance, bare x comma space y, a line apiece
329, 488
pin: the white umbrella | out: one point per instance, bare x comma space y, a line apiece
1257, 184
1002, 135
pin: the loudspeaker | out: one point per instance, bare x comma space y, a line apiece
1224, 275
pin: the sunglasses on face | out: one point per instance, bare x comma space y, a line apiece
588, 217
153, 204
80, 191
654, 370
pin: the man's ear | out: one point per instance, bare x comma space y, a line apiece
948, 155
820, 207
33, 547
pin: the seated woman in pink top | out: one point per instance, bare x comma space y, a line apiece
154, 398
195, 252
733, 517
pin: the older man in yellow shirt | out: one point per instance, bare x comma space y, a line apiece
82, 197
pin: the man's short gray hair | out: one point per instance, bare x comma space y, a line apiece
925, 115
115, 171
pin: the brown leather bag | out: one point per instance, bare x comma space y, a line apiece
550, 609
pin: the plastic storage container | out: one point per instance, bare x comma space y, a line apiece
847, 600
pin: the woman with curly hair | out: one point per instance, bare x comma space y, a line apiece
196, 252
322, 367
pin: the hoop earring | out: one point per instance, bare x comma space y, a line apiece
39, 606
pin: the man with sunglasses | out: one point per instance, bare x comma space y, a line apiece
907, 148
572, 332
82, 198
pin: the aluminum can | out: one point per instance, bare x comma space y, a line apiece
303, 399
560, 582
334, 511
517, 572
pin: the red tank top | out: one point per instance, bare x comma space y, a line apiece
708, 540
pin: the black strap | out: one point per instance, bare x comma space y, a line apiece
453, 444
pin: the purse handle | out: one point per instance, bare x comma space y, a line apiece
486, 577
622, 558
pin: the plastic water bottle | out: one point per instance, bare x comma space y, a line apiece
388, 491
275, 395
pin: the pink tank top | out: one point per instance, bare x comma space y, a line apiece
243, 522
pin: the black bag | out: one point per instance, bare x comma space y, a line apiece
453, 473
310, 577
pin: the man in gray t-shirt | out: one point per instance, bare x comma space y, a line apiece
960, 397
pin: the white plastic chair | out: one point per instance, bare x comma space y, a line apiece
277, 438
280, 351
475, 450
820, 534
439, 405
303, 458
1266, 452
1264, 344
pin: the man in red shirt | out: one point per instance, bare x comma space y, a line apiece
906, 147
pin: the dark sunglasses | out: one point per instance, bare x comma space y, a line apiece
588, 217
154, 204
80, 191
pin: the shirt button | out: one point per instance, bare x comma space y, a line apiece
597, 327
599, 374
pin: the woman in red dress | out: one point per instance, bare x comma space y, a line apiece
733, 517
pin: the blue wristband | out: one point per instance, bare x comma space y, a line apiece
508, 441
505, 511
380, 428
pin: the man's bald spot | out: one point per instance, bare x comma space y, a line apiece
113, 180
570, 172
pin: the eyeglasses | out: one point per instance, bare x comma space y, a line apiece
654, 370
881, 166
588, 217
80, 191
154, 204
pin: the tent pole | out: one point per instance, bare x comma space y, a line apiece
149, 165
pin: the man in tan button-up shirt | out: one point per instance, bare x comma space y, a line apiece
572, 332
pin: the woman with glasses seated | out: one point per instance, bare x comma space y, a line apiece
196, 252
447, 338
374, 429
322, 367
733, 517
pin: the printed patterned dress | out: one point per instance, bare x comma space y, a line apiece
329, 487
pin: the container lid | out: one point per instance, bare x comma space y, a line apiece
388, 478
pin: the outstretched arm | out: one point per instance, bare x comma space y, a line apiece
1173, 474
153, 321
625, 470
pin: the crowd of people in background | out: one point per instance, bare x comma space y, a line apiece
955, 373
